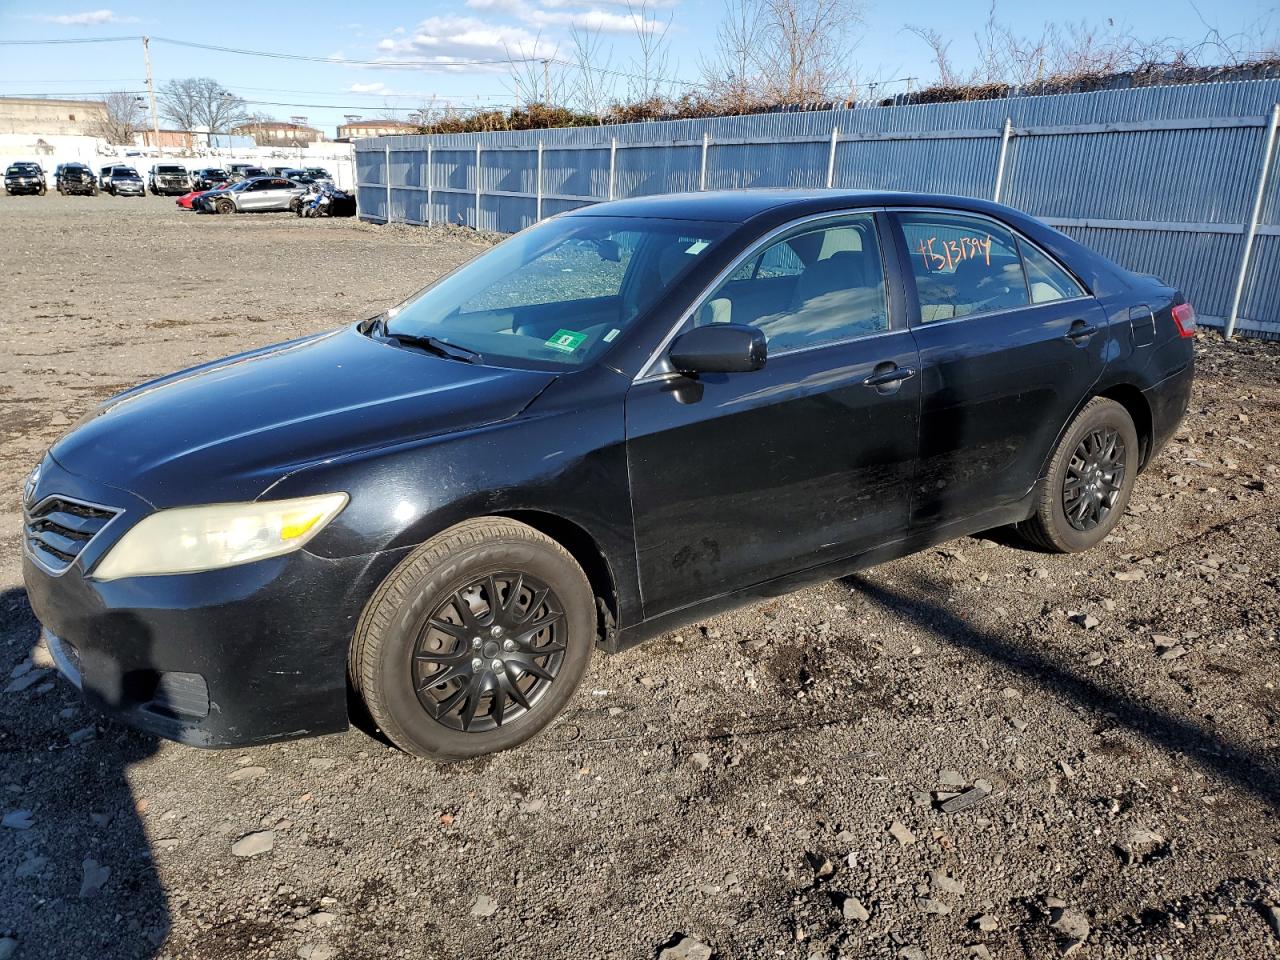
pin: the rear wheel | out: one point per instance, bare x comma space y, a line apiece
475, 642
1090, 480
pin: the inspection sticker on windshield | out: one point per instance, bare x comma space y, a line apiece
566, 340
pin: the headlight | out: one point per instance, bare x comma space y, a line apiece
188, 539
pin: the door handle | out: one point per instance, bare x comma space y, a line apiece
1080, 332
893, 374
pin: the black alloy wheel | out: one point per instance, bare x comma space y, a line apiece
1094, 478
475, 641
1089, 480
489, 651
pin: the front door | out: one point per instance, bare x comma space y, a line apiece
737, 479
1010, 345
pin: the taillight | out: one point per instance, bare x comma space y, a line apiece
1184, 315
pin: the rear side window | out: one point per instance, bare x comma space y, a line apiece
1046, 280
962, 265
816, 285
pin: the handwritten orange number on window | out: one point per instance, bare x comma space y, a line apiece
953, 251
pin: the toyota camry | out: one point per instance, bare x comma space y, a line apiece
620, 420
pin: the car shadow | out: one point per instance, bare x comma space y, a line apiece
923, 605
79, 880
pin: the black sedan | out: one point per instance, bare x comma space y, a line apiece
620, 420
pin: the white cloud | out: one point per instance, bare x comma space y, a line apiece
89, 18
550, 14
377, 87
442, 41
624, 4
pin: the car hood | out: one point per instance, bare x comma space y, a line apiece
227, 430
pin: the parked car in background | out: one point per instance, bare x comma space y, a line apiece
445, 509
187, 200
245, 171
254, 195
124, 182
168, 179
73, 178
24, 177
319, 173
209, 178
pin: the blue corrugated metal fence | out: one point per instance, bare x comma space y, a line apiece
1164, 180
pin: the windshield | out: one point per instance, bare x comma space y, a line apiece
23, 168
124, 172
171, 170
556, 295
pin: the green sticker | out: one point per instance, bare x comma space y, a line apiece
566, 340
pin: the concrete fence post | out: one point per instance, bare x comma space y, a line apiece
1005, 133
702, 170
429, 183
1251, 227
477, 185
831, 157
538, 209
613, 166
386, 173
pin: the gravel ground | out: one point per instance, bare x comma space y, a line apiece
777, 782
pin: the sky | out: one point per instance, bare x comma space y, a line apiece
382, 36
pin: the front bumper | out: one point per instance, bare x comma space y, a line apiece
128, 189
232, 657
32, 186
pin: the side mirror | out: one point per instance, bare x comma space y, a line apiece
719, 348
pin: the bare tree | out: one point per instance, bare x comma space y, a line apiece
592, 87
940, 49
121, 119
651, 66
731, 72
785, 51
199, 103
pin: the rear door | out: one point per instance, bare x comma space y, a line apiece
1010, 345
738, 479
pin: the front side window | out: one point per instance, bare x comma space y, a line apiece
558, 294
815, 285
962, 265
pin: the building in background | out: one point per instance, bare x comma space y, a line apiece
357, 129
278, 133
48, 117
173, 139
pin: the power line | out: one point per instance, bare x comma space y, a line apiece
344, 61
32, 43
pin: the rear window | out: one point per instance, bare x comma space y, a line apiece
962, 265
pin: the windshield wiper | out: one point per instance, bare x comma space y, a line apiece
432, 345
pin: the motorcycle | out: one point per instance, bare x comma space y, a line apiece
323, 199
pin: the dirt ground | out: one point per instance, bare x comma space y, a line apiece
765, 783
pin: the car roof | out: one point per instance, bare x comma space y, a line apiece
737, 206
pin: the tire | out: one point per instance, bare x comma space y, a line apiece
395, 647
224, 206
1065, 521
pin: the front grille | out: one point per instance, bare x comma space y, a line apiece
58, 529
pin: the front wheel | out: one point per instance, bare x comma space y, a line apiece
1089, 482
224, 206
475, 642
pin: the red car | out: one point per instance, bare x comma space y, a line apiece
188, 199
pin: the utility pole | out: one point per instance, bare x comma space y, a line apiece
151, 91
